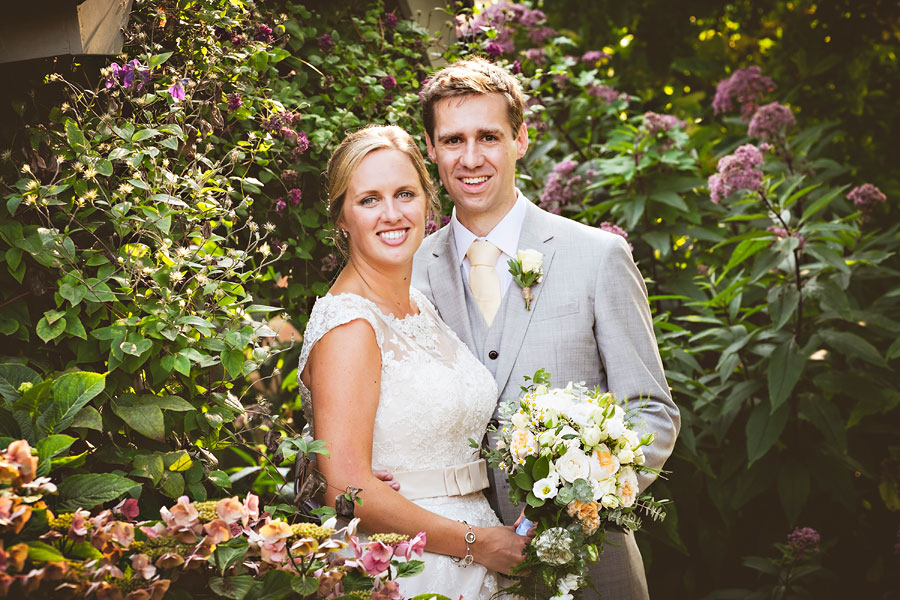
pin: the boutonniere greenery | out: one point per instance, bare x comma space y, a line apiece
526, 271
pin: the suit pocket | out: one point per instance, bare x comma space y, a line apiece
553, 311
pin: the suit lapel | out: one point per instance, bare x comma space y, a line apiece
446, 284
537, 233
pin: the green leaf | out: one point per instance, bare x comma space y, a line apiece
47, 331
181, 462
74, 326
533, 500
850, 344
259, 60
523, 480
182, 365
763, 430
229, 553
75, 137
233, 588
826, 417
410, 568
786, 365
744, 250
89, 418
541, 468
145, 418
71, 392
53, 445
89, 490
172, 484
73, 292
233, 361
275, 585
783, 302
158, 59
41, 552
793, 489
149, 466
220, 479
670, 198
13, 375
104, 167
170, 403
144, 134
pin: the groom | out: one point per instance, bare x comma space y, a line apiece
589, 319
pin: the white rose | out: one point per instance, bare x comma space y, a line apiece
628, 486
569, 583
602, 487
603, 463
591, 436
609, 501
632, 438
547, 487
573, 465
615, 427
531, 260
580, 413
626, 455
639, 458
520, 420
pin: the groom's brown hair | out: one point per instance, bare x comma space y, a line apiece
472, 76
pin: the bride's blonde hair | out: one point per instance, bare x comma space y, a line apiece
352, 151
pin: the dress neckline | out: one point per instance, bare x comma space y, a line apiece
412, 317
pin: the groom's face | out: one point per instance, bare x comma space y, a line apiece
476, 151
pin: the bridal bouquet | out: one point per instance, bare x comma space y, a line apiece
573, 456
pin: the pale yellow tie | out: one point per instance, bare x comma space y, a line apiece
483, 279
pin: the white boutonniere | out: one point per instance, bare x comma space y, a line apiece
526, 271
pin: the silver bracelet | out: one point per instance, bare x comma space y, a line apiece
468, 559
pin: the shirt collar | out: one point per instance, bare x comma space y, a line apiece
504, 235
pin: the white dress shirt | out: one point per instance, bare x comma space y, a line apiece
505, 235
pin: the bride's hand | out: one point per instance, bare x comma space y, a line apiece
386, 477
499, 548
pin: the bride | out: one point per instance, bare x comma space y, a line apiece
390, 387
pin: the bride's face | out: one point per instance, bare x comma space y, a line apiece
384, 209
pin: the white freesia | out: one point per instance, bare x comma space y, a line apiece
531, 260
547, 487
632, 438
573, 465
610, 501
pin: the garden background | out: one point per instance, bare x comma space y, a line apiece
164, 232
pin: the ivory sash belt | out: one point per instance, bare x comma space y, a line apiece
457, 480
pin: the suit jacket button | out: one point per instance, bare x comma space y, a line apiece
493, 354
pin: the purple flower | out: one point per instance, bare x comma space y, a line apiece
594, 56
288, 134
295, 195
541, 34
264, 34
536, 55
302, 142
613, 228
746, 87
560, 79
115, 71
128, 71
280, 205
803, 540
390, 20
738, 171
325, 42
430, 225
561, 187
866, 197
770, 121
516, 67
239, 40
493, 49
604, 92
329, 263
656, 123
389, 82
234, 101
176, 90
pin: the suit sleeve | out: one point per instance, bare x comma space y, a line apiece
623, 328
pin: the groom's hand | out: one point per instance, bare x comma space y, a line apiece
386, 477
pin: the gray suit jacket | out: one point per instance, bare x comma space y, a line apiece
589, 321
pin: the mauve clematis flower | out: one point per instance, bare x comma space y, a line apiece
217, 531
230, 510
176, 90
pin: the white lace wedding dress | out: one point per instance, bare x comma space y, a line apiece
435, 396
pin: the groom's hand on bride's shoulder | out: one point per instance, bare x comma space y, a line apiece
388, 478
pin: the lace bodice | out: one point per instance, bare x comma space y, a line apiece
435, 395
